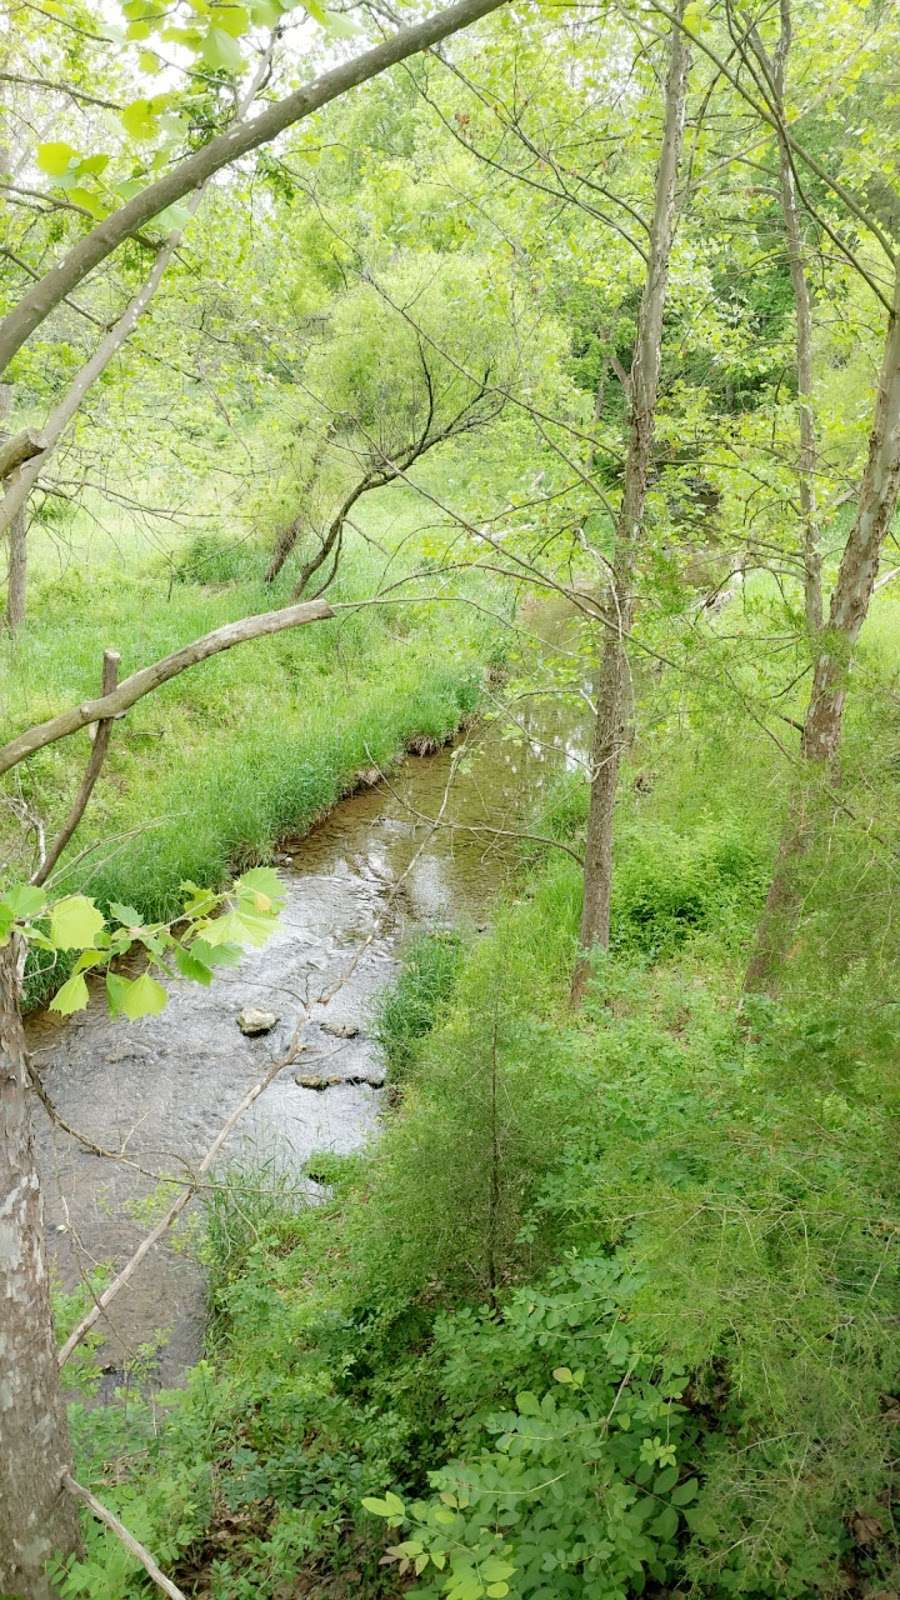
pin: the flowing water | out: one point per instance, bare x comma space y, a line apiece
160, 1089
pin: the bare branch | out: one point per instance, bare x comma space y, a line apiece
99, 747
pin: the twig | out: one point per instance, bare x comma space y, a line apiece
111, 659
103, 1514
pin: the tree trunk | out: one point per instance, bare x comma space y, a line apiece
38, 1518
614, 677
790, 210
850, 601
17, 573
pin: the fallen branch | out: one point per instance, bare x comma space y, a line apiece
104, 1515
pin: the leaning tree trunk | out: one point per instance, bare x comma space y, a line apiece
614, 678
822, 728
38, 1518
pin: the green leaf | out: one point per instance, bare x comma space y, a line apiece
126, 915
116, 989
54, 157
527, 1404
493, 1570
24, 900
264, 13
147, 998
233, 20
75, 922
497, 1590
220, 955
390, 1507
261, 880
190, 966
221, 52
138, 120
562, 1374
666, 1524
92, 166
88, 201
665, 1480
685, 1492
73, 996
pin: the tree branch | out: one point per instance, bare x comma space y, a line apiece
103, 1514
149, 678
227, 147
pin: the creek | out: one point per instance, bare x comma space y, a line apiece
161, 1088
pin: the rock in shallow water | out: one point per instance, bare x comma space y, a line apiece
253, 1022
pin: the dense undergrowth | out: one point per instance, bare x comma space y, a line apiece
610, 1310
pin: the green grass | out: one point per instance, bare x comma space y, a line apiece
215, 767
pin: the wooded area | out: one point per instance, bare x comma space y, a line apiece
546, 358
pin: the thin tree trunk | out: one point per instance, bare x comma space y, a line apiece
614, 678
17, 573
823, 724
38, 1518
790, 210
289, 535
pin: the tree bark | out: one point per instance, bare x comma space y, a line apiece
38, 1518
614, 677
820, 742
238, 140
17, 573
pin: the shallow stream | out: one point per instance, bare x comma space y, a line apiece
161, 1088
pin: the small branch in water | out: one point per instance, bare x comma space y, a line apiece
111, 1521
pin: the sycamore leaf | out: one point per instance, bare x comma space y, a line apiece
234, 20
92, 166
138, 120
54, 157
135, 998
73, 996
75, 922
126, 914
221, 52
222, 955
88, 201
190, 966
262, 880
24, 900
